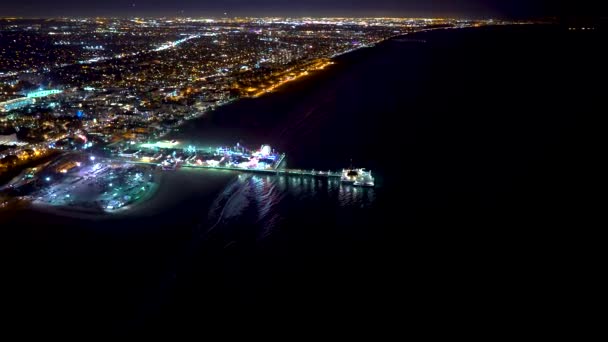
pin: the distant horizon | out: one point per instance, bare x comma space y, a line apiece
216, 17
470, 9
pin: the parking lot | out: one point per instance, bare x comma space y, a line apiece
105, 186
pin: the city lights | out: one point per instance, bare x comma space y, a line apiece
120, 85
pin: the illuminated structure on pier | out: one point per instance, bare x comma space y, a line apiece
43, 93
29, 99
171, 155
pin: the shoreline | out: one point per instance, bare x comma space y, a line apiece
332, 58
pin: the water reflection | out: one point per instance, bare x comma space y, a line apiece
262, 202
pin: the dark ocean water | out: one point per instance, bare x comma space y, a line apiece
473, 138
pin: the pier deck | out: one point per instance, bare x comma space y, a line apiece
293, 172
290, 172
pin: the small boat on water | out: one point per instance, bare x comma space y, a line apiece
357, 177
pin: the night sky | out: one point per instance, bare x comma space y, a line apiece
214, 8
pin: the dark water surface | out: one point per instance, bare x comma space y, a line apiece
472, 138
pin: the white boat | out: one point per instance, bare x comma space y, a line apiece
349, 176
357, 177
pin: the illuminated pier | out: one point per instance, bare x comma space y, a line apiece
170, 155
290, 172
